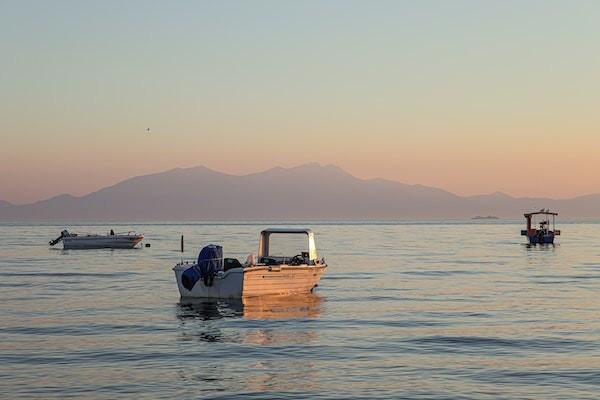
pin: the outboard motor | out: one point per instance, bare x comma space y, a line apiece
63, 234
210, 262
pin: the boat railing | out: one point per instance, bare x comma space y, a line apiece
267, 260
192, 262
286, 260
525, 232
73, 234
128, 233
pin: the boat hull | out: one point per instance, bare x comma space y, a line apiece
545, 239
281, 280
254, 281
229, 285
101, 242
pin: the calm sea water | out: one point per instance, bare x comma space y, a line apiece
406, 310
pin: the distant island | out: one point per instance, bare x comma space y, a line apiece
486, 217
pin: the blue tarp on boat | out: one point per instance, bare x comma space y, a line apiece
210, 261
189, 277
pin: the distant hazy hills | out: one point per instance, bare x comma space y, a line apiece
307, 192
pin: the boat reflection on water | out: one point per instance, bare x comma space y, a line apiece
236, 346
306, 305
209, 309
262, 307
546, 247
207, 320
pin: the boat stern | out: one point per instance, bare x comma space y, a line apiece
547, 238
226, 285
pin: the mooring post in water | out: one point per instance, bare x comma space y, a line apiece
181, 261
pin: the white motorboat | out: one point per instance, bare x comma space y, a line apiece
213, 276
113, 240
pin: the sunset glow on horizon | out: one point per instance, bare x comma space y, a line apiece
471, 97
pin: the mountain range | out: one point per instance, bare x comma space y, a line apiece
309, 191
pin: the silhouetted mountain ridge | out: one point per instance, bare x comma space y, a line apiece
308, 191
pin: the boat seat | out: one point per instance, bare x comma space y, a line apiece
229, 263
271, 260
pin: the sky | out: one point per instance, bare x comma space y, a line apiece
470, 96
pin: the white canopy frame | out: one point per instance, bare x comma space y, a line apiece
263, 244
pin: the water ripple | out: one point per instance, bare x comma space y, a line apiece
476, 315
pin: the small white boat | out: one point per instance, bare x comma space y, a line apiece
92, 241
216, 277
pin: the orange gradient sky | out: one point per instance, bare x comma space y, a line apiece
472, 97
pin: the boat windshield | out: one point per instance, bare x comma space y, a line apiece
542, 222
285, 247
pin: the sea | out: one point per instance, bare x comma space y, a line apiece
406, 310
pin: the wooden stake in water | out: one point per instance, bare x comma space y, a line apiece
181, 249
